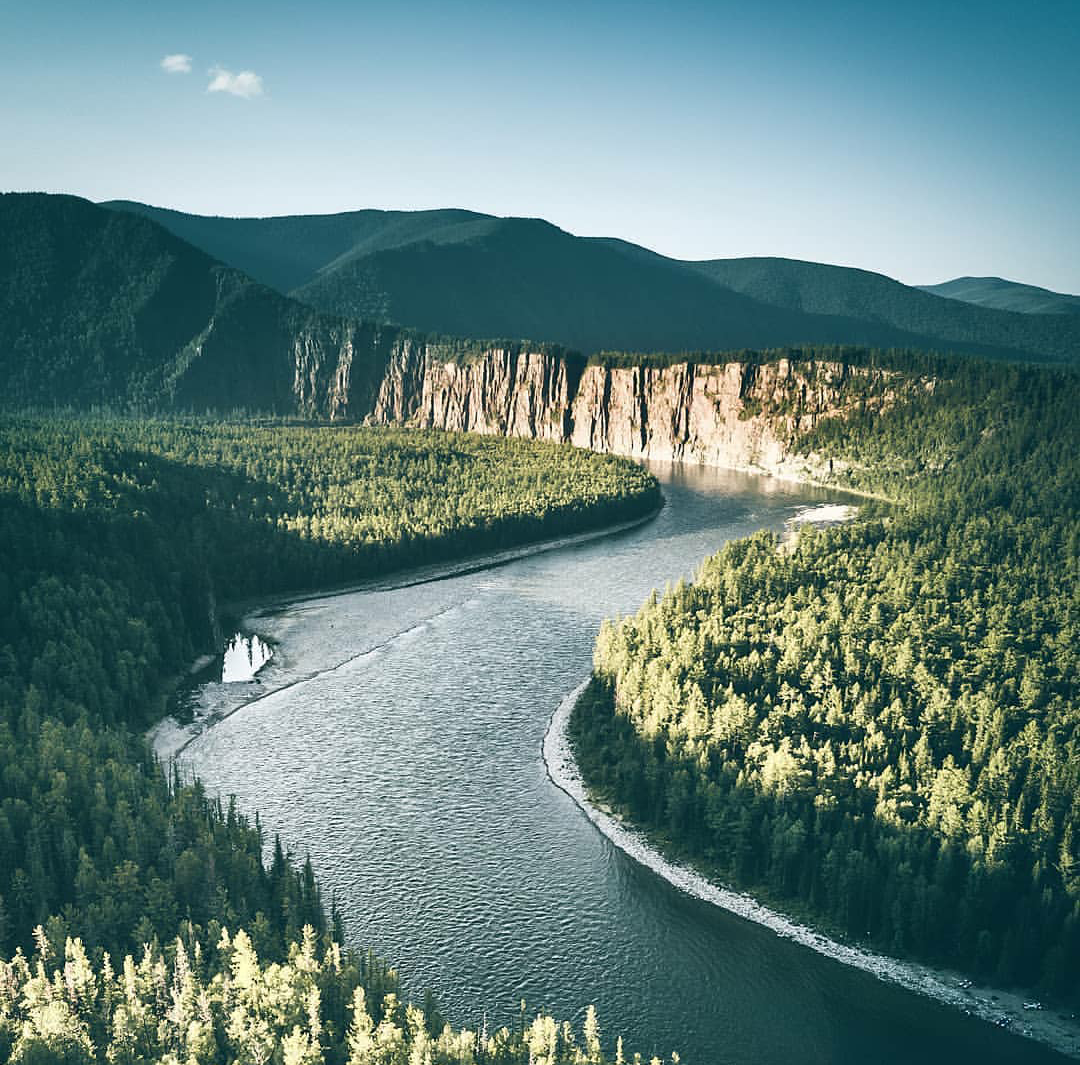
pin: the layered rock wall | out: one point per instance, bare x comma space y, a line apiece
744, 415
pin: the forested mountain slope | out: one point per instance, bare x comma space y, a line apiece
289, 251
865, 296
103, 307
118, 540
107, 308
1006, 295
881, 726
525, 277
474, 275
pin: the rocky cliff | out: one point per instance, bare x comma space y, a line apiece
103, 308
745, 415
504, 390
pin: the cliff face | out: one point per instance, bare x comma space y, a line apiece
735, 414
104, 307
508, 392
743, 415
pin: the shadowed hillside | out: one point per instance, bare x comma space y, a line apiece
290, 251
860, 294
453, 271
97, 306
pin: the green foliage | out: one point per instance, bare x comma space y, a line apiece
880, 724
118, 540
204, 1001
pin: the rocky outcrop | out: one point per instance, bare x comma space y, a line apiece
504, 391
745, 415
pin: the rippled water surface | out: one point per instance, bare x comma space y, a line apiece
404, 755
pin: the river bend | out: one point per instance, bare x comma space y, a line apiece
405, 756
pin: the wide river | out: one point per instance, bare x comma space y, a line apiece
405, 756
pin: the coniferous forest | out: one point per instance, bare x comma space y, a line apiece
141, 920
873, 724
526, 528
877, 724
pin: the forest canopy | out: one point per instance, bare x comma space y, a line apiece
120, 540
879, 726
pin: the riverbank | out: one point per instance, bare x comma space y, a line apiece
1003, 1008
169, 738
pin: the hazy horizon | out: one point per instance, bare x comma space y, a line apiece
918, 143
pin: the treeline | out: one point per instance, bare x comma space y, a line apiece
880, 726
118, 539
910, 362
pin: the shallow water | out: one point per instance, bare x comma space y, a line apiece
404, 755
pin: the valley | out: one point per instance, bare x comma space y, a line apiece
520, 897
872, 727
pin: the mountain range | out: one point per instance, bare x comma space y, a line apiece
474, 275
126, 304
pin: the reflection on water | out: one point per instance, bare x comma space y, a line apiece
396, 738
244, 657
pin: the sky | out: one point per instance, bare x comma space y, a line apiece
921, 140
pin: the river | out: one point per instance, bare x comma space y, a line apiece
396, 737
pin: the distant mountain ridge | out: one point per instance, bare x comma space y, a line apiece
459, 272
1006, 295
290, 251
861, 294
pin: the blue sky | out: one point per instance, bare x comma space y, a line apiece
923, 140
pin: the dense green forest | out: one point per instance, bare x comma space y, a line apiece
118, 539
108, 308
879, 725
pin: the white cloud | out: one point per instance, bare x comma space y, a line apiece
246, 83
176, 64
